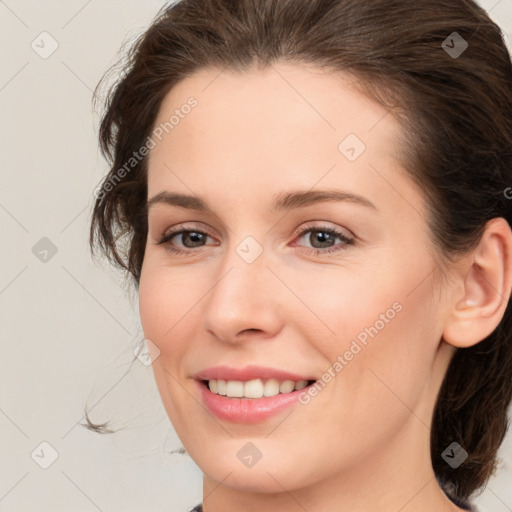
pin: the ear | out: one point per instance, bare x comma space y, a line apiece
485, 277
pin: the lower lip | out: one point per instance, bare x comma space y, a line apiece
247, 410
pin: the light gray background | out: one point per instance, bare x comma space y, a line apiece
68, 326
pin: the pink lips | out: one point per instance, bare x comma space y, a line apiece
247, 410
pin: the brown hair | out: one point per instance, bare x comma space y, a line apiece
456, 110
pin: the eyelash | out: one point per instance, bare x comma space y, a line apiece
168, 236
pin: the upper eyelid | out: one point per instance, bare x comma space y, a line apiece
320, 225
184, 227
303, 227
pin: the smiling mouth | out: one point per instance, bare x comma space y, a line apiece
254, 389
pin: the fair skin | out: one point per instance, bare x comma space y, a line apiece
362, 443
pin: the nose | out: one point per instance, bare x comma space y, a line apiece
244, 301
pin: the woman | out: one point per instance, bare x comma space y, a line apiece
311, 198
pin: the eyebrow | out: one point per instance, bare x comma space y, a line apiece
282, 201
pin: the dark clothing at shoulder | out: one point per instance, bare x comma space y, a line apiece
465, 506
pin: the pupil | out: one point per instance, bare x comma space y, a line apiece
324, 238
195, 237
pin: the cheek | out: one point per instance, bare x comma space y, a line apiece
378, 340
339, 305
390, 376
164, 300
166, 314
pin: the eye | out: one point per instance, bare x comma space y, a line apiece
190, 239
322, 239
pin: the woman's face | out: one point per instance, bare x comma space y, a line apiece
262, 278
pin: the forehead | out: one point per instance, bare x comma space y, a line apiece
278, 96
273, 128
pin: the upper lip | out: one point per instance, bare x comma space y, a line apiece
248, 373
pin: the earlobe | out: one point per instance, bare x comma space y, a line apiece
486, 276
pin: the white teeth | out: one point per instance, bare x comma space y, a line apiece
286, 386
301, 384
255, 388
271, 387
234, 388
221, 387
